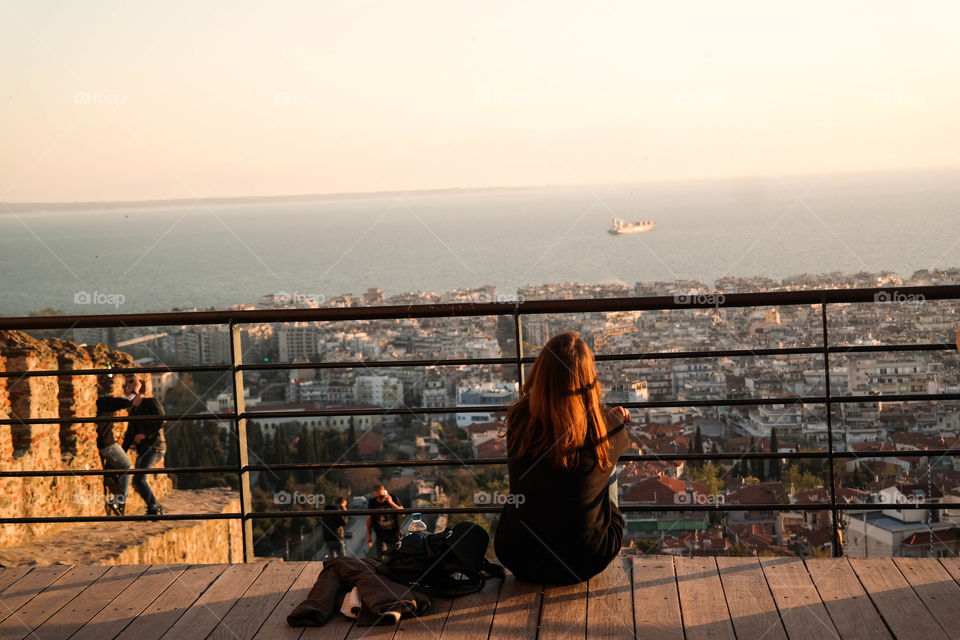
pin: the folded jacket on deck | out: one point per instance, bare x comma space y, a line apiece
382, 600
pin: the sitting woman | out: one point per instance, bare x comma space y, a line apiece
561, 524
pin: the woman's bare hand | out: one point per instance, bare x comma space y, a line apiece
623, 413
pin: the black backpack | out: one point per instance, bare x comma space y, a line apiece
446, 564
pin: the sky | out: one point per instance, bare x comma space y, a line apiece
137, 100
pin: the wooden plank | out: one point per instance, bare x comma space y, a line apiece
564, 612
87, 604
656, 601
849, 606
428, 627
211, 607
752, 610
952, 565
10, 575
704, 610
46, 603
244, 619
801, 610
275, 627
471, 616
936, 589
897, 602
163, 612
124, 609
610, 601
518, 610
20, 592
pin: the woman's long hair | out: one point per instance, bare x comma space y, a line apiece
559, 407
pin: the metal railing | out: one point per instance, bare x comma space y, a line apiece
240, 415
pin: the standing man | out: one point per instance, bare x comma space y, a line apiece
333, 527
147, 437
112, 456
385, 525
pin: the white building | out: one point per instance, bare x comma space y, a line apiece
488, 393
382, 391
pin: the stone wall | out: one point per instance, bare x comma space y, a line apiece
51, 446
161, 541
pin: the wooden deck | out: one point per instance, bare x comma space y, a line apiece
658, 597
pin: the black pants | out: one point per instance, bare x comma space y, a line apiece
378, 595
384, 540
335, 547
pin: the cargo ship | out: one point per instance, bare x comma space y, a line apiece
620, 227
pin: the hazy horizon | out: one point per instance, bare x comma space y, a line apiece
921, 171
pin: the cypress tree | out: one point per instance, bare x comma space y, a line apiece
698, 446
774, 462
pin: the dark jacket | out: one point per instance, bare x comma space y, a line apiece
107, 405
387, 524
377, 594
151, 429
564, 529
333, 524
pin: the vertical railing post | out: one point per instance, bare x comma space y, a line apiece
834, 513
518, 337
239, 408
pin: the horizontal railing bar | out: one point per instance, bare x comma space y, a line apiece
881, 348
725, 507
378, 364
528, 307
470, 462
731, 402
624, 459
224, 417
118, 371
123, 518
442, 362
66, 473
626, 507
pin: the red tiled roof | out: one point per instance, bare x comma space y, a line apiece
763, 493
659, 490
923, 538
492, 448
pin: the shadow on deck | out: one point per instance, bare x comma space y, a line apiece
644, 597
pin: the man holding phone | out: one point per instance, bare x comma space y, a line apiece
112, 455
386, 526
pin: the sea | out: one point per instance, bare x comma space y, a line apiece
214, 253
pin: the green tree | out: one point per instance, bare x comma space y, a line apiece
709, 476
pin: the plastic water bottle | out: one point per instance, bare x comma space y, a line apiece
417, 524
